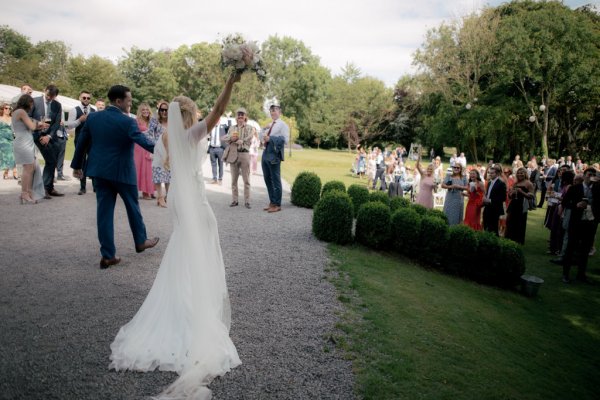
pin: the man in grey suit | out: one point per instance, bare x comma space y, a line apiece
274, 138
108, 138
47, 109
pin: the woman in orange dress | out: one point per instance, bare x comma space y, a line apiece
474, 193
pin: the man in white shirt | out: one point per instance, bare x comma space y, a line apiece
274, 138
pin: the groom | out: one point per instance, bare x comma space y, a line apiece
108, 138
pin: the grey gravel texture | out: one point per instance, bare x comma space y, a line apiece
59, 312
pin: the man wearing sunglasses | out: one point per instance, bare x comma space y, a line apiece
76, 120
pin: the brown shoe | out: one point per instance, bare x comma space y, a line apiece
107, 262
53, 192
267, 208
146, 245
274, 209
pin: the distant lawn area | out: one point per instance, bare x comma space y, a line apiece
414, 333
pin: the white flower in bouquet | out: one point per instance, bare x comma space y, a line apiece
242, 55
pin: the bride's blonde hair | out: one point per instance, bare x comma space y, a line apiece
188, 110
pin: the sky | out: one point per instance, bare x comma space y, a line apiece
378, 36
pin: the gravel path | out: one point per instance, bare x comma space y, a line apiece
59, 312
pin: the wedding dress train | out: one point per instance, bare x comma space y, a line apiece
183, 324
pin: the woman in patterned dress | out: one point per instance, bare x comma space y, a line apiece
160, 173
455, 183
7, 159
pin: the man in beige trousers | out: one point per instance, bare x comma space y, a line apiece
237, 155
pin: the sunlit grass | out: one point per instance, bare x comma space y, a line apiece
414, 333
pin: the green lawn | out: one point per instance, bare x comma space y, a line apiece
414, 333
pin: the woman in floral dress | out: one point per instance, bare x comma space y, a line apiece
454, 202
160, 172
7, 159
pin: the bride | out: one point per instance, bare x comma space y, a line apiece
183, 325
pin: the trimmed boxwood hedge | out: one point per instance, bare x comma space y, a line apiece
422, 211
433, 236
306, 189
434, 212
359, 195
461, 251
333, 185
406, 225
332, 218
380, 196
399, 202
373, 224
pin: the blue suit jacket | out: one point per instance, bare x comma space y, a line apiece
108, 139
275, 150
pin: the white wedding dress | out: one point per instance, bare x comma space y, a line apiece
183, 325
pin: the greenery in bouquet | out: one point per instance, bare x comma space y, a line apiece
242, 55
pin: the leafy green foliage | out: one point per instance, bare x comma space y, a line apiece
461, 251
333, 185
406, 225
373, 225
379, 196
306, 189
399, 202
359, 195
435, 212
434, 238
332, 217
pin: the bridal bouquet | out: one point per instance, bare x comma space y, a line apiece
242, 56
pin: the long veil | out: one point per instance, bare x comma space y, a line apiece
183, 325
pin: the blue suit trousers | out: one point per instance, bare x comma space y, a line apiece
106, 196
272, 176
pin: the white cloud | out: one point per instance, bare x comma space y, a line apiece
379, 36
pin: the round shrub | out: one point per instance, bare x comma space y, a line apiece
511, 263
434, 212
406, 224
333, 185
379, 196
488, 246
306, 189
399, 202
373, 224
461, 251
422, 211
359, 196
332, 218
434, 235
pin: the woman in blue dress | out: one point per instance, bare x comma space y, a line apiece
454, 203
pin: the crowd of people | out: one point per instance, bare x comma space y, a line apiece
499, 197
42, 128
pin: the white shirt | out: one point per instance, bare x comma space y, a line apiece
487, 195
279, 129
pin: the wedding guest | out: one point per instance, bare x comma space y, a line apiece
47, 108
438, 170
454, 183
239, 139
254, 153
160, 173
516, 164
475, 200
25, 89
371, 168
216, 149
24, 147
76, 120
7, 158
559, 221
494, 200
142, 157
100, 105
582, 225
274, 137
516, 212
427, 185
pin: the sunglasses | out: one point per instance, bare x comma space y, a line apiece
163, 109
85, 98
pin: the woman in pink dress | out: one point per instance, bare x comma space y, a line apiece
475, 202
426, 186
142, 157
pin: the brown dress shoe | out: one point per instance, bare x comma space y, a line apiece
274, 209
107, 262
53, 192
146, 245
267, 208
